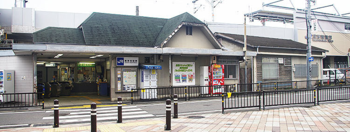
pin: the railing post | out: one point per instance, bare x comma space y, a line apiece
93, 117
260, 100
335, 78
314, 97
120, 116
222, 103
132, 96
318, 96
43, 99
263, 100
56, 113
345, 76
186, 93
175, 106
168, 115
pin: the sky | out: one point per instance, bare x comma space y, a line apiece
229, 11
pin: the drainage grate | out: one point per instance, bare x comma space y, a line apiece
35, 125
195, 117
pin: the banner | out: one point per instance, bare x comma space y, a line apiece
184, 73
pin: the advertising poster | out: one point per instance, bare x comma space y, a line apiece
183, 73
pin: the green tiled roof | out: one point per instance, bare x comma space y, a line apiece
121, 30
116, 30
59, 35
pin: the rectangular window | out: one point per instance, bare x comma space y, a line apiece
231, 71
347, 26
301, 70
269, 68
188, 30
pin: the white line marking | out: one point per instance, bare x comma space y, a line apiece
22, 112
109, 111
87, 109
18, 125
106, 118
98, 115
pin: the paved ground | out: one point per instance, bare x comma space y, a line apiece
325, 117
75, 100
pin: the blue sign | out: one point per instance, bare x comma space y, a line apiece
120, 61
157, 67
311, 59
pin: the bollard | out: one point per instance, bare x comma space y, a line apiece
93, 117
168, 115
175, 106
120, 116
56, 116
222, 103
315, 97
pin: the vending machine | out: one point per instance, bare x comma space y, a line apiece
216, 79
7, 84
204, 80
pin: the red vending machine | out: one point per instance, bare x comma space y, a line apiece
216, 79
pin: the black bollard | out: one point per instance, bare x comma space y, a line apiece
175, 106
93, 117
120, 116
56, 116
168, 115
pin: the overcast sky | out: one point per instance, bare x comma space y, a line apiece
229, 11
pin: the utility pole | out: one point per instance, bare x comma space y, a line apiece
308, 54
245, 54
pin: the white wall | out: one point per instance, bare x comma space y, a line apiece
27, 20
197, 40
261, 31
58, 19
23, 66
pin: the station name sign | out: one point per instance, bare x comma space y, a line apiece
321, 38
127, 61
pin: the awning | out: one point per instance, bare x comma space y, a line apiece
158, 67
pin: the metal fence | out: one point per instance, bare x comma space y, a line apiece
263, 99
183, 93
9, 100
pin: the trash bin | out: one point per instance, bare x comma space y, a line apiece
104, 89
65, 88
55, 89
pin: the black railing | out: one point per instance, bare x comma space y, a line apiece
262, 99
183, 93
9, 100
332, 94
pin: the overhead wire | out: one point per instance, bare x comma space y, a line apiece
326, 34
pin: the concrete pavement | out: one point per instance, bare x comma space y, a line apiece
325, 117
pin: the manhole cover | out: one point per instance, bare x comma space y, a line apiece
195, 117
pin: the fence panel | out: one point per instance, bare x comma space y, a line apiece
332, 94
287, 97
241, 100
10, 100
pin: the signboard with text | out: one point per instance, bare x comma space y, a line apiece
183, 73
127, 61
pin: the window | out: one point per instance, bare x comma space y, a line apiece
269, 68
347, 26
231, 71
300, 70
188, 30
